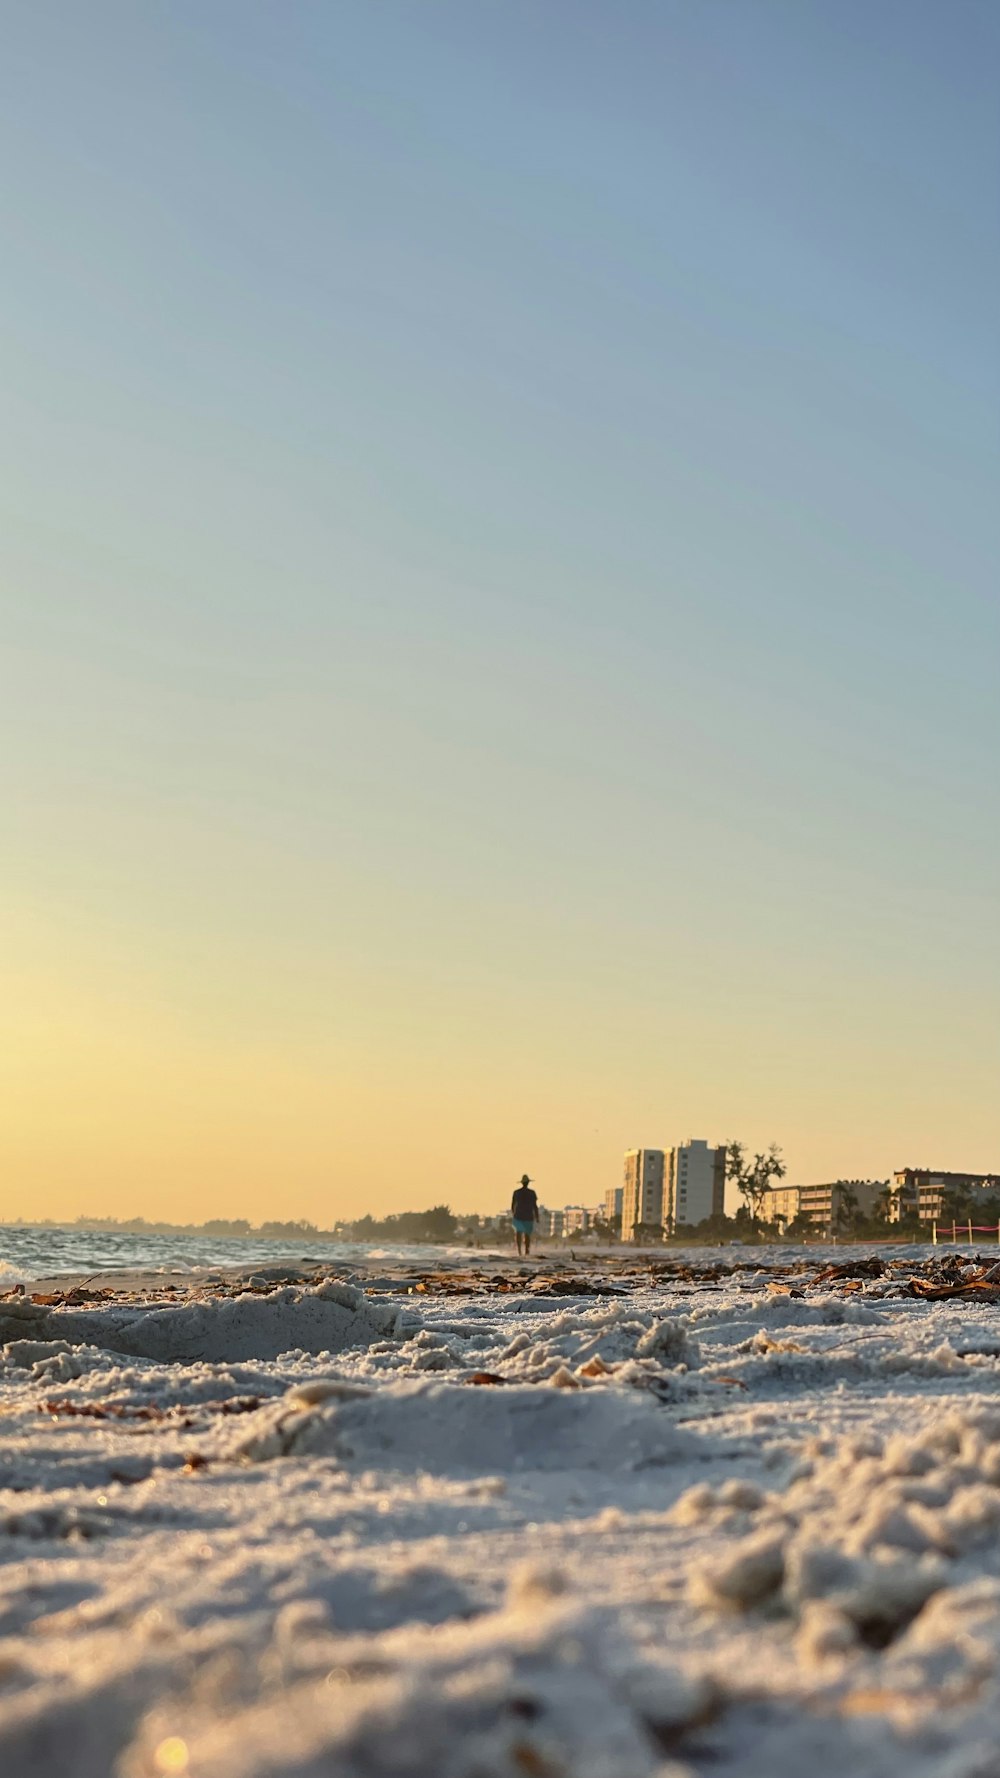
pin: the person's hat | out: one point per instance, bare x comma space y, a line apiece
524, 1180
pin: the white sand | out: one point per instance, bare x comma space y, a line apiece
720, 1531
324, 1319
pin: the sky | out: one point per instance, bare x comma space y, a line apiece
500, 623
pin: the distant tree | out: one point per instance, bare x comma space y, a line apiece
754, 1177
714, 1229
989, 1208
684, 1234
440, 1223
437, 1224
718, 1226
956, 1204
848, 1210
645, 1234
885, 1205
801, 1226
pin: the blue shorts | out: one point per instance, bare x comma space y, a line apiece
523, 1228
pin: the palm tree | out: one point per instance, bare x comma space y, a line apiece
884, 1204
847, 1209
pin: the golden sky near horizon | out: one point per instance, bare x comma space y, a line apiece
131, 1089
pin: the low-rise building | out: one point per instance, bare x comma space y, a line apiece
781, 1205
931, 1193
577, 1219
828, 1208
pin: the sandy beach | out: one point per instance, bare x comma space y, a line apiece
606, 1518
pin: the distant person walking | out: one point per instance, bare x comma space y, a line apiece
524, 1211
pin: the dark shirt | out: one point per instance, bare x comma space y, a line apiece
524, 1204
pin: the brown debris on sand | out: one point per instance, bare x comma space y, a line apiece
943, 1275
872, 1267
977, 1288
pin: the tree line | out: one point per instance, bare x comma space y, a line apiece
439, 1223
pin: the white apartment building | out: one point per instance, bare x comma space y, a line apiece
642, 1189
577, 1219
695, 1183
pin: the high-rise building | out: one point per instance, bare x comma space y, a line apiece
642, 1190
695, 1184
613, 1202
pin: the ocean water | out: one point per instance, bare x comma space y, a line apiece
27, 1253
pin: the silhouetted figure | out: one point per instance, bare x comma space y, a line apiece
524, 1211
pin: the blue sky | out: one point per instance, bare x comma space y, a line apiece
500, 591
